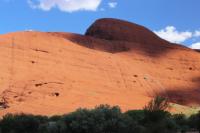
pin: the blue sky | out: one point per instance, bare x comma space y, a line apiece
175, 20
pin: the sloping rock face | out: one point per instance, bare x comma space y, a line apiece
55, 73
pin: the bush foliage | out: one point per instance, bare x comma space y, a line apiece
102, 119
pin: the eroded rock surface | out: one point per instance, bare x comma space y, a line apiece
116, 63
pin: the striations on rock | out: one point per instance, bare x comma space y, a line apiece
116, 63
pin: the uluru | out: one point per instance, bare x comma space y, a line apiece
115, 62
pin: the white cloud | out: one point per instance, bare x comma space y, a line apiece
66, 5
31, 4
172, 35
195, 45
112, 4
197, 33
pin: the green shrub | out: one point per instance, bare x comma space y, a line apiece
136, 115
102, 119
194, 121
182, 122
19, 123
55, 118
156, 121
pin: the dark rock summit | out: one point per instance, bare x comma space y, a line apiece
119, 30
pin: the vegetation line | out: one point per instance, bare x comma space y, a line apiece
105, 119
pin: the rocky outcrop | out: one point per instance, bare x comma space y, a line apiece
116, 63
119, 30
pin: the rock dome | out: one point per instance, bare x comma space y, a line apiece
119, 30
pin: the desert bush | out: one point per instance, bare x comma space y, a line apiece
157, 103
55, 118
136, 115
102, 119
182, 122
194, 121
156, 121
19, 123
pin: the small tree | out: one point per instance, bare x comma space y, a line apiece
156, 118
158, 103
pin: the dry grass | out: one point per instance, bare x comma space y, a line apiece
187, 110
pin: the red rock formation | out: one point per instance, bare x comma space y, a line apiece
119, 30
55, 73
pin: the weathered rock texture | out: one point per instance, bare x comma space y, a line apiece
118, 30
116, 63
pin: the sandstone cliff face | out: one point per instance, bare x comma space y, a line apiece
116, 63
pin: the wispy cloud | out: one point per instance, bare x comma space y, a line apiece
195, 45
197, 33
170, 33
112, 4
66, 5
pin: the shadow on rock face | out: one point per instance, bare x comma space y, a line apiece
184, 96
113, 35
119, 30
